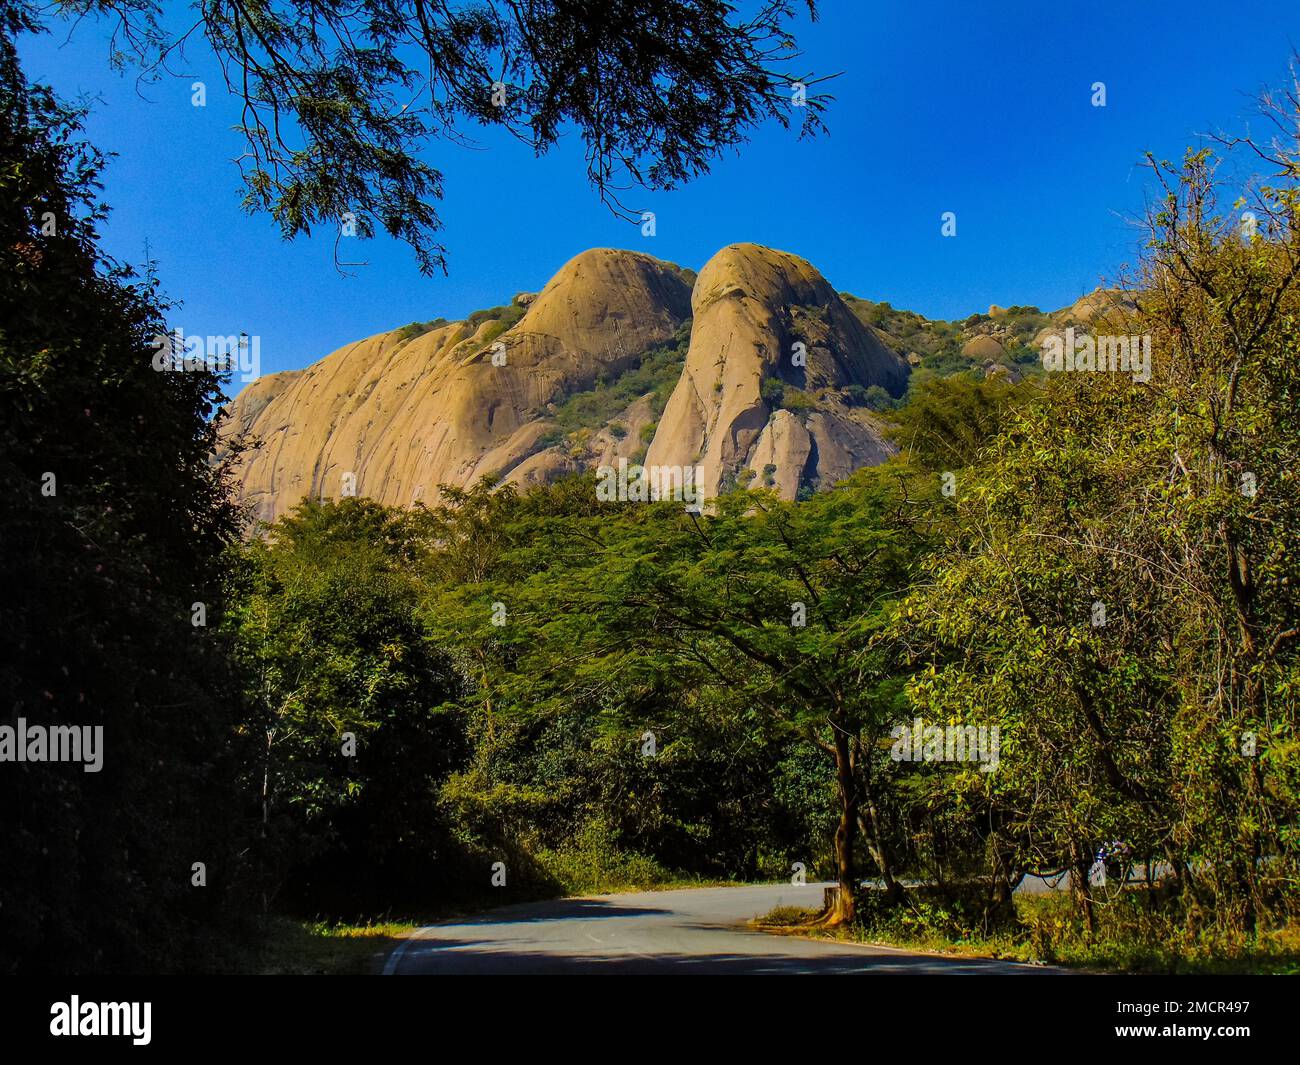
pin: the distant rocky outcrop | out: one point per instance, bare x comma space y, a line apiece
763, 393
1005, 342
403, 415
755, 370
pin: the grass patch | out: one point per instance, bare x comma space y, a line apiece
326, 948
785, 918
1136, 933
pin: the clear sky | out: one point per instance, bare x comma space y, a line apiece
983, 109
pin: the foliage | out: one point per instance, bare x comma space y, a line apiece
1137, 931
774, 603
654, 373
418, 329
874, 398
773, 391
340, 99
780, 395
324, 626
1168, 718
114, 521
596, 863
947, 421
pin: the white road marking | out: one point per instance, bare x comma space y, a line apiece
390, 967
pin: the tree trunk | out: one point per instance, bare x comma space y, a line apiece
873, 834
845, 831
1082, 887
266, 813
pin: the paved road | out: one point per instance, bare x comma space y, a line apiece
696, 930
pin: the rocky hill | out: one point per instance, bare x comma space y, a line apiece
1005, 340
765, 391
406, 411
755, 370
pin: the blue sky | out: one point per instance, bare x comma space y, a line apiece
983, 109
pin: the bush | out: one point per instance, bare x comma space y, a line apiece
773, 392
417, 329
797, 401
505, 316
874, 398
593, 863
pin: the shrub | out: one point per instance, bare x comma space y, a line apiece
772, 391
416, 329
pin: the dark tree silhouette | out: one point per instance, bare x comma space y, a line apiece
113, 523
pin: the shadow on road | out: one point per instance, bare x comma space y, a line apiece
560, 910
488, 957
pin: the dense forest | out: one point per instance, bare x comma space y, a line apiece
363, 710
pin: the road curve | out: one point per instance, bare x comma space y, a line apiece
692, 930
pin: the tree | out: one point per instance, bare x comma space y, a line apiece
1121, 590
339, 99
113, 524
346, 696
946, 421
776, 603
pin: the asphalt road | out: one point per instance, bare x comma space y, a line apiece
695, 930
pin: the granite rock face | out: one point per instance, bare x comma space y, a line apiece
773, 352
764, 394
406, 414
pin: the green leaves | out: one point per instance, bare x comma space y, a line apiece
1128, 723
344, 691
342, 100
113, 524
